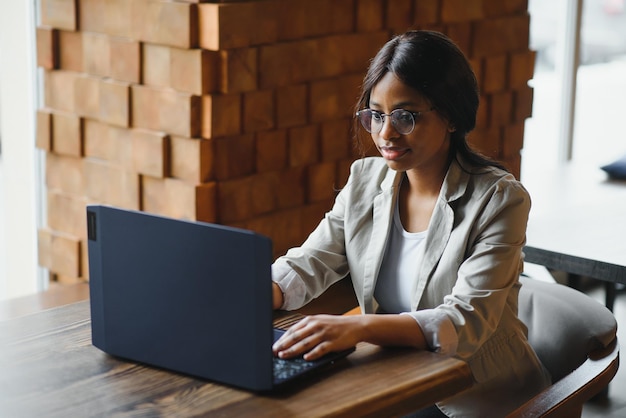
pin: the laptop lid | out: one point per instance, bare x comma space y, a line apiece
187, 296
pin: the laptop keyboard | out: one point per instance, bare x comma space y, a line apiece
285, 369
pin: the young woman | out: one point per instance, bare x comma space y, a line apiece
431, 234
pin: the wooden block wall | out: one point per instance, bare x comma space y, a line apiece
237, 112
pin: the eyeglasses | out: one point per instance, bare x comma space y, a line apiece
402, 120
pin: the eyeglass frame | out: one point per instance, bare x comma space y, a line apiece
414, 115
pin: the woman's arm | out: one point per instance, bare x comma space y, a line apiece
277, 296
317, 335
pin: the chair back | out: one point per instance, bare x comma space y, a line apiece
564, 325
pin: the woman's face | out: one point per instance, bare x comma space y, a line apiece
426, 147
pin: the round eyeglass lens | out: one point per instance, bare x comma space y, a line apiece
402, 120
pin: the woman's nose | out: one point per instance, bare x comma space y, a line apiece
388, 131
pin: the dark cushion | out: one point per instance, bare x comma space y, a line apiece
564, 325
616, 169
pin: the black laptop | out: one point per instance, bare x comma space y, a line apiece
191, 297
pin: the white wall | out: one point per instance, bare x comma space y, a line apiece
20, 161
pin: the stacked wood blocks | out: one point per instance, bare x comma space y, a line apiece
241, 112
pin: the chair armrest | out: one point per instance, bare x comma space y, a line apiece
566, 397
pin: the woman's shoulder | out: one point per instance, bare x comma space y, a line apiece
502, 188
491, 179
370, 169
370, 175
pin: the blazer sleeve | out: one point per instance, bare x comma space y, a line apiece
305, 272
490, 267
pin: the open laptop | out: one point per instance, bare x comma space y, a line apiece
187, 296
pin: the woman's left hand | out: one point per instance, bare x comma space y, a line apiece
317, 335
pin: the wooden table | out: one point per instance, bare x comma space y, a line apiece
49, 368
578, 223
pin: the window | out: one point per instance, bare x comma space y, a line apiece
598, 83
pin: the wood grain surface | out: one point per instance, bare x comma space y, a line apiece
49, 368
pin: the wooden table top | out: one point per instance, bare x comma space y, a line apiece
49, 368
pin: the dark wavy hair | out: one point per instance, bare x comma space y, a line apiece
430, 63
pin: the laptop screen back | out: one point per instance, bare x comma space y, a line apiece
186, 296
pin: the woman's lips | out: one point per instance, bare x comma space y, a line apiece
393, 153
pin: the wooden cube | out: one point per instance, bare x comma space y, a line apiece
291, 105
238, 70
43, 138
237, 25
180, 113
64, 173
263, 191
192, 159
125, 56
150, 152
335, 140
303, 145
87, 96
166, 23
59, 252
494, 74
513, 140
271, 150
234, 200
501, 108
501, 35
111, 184
107, 142
258, 111
333, 98
369, 15
234, 156
118, 17
522, 103
67, 134
156, 65
60, 14
193, 70
71, 51
180, 199
206, 202
321, 182
96, 54
114, 103
221, 115
59, 90
66, 213
426, 11
292, 192
399, 15
461, 35
145, 107
461, 10
47, 48
288, 63
521, 68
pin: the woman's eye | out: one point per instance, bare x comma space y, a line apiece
405, 117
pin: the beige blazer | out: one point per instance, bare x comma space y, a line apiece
470, 268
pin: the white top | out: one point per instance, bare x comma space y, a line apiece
398, 272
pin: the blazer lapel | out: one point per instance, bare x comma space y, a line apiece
382, 216
440, 228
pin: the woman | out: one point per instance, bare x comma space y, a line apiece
431, 234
